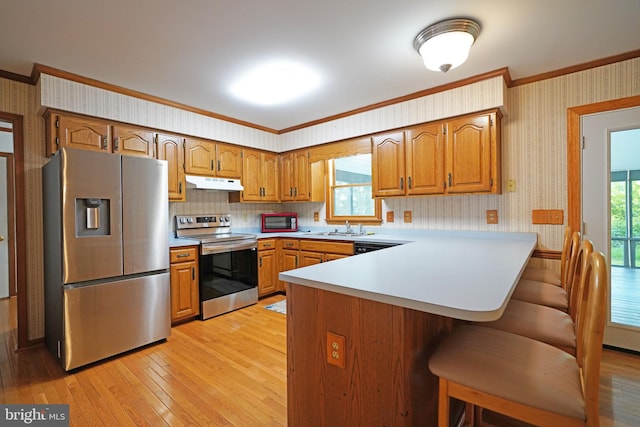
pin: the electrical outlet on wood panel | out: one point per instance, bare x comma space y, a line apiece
336, 349
390, 216
539, 216
408, 216
556, 216
492, 216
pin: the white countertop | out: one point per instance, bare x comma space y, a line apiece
459, 274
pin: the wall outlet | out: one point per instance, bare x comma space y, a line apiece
492, 216
336, 349
316, 216
547, 216
407, 216
390, 216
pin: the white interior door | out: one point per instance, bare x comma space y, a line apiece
611, 214
4, 231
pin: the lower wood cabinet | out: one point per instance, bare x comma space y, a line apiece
317, 251
267, 267
276, 255
185, 296
289, 258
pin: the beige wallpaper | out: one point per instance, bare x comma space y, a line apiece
80, 98
533, 150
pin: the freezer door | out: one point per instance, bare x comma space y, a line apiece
145, 214
109, 318
91, 215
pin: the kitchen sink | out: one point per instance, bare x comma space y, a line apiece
340, 233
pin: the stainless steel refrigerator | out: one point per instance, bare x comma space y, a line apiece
106, 254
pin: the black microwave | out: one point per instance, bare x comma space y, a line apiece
274, 222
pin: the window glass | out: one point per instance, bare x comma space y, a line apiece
350, 190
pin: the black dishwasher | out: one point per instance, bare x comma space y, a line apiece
364, 247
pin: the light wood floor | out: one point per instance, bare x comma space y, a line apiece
226, 371
625, 296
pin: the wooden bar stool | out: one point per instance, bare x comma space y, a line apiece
523, 378
551, 276
545, 293
546, 324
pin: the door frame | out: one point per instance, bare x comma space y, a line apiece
20, 237
574, 164
11, 238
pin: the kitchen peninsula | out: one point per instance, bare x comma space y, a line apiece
360, 330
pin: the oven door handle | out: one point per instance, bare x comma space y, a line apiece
208, 249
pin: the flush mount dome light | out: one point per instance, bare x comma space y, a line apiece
275, 83
446, 44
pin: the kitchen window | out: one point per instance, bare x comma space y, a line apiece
350, 191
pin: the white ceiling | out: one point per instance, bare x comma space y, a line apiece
189, 51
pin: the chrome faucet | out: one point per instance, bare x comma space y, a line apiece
360, 229
346, 224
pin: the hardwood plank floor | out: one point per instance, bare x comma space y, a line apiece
226, 371
625, 296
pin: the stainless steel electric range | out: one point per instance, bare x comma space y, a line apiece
228, 263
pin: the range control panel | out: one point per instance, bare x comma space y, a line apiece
184, 222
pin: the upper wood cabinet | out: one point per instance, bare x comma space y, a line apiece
210, 158
388, 164
77, 132
460, 155
295, 176
259, 177
471, 149
170, 148
229, 161
133, 141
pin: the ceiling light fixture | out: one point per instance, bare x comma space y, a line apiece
445, 44
276, 83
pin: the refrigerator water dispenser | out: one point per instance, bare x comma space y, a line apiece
92, 217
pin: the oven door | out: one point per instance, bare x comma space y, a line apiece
228, 279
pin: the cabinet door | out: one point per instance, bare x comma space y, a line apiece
267, 272
388, 164
286, 177
184, 291
85, 133
331, 257
469, 155
170, 148
132, 141
288, 261
228, 161
270, 177
199, 156
310, 258
302, 176
251, 175
425, 160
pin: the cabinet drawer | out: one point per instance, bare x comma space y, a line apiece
289, 243
327, 246
266, 244
183, 254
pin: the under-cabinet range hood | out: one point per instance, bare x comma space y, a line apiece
210, 183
